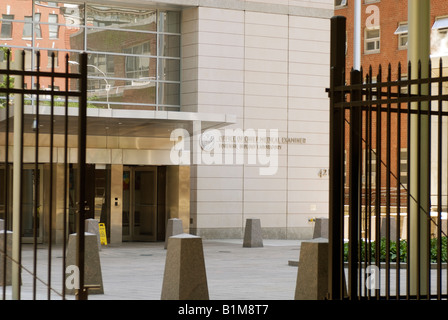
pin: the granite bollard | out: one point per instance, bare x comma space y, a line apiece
173, 228
185, 276
252, 234
91, 226
312, 273
320, 228
92, 266
8, 234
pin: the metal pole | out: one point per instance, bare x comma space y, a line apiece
17, 178
419, 51
357, 36
336, 278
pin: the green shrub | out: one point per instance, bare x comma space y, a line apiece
393, 250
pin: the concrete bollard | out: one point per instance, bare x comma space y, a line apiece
312, 274
8, 234
173, 228
185, 276
91, 226
92, 267
320, 228
252, 234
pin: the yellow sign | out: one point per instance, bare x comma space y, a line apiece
103, 236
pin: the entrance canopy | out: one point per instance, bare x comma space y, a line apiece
118, 122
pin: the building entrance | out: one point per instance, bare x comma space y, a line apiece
140, 204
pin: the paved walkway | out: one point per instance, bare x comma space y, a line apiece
134, 271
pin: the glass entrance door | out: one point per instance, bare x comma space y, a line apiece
140, 204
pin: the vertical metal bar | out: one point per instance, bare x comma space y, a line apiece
388, 173
36, 170
64, 240
6, 178
336, 196
378, 175
51, 195
439, 183
17, 178
408, 194
81, 293
355, 185
426, 210
398, 247
370, 152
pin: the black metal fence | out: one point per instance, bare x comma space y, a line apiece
388, 179
37, 127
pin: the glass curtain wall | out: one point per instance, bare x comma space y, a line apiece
134, 54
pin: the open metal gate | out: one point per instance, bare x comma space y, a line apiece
388, 179
47, 126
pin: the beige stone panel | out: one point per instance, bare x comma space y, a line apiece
266, 124
264, 30
270, 102
225, 39
265, 195
308, 196
309, 34
218, 195
266, 42
266, 77
254, 172
319, 209
221, 220
309, 150
218, 183
309, 115
230, 87
309, 81
265, 65
264, 183
220, 74
215, 207
235, 28
266, 113
214, 14
311, 126
308, 103
266, 54
225, 51
266, 18
307, 91
309, 22
311, 69
261, 207
320, 58
228, 63
304, 161
305, 174
303, 184
209, 98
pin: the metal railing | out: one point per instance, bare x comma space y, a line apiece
37, 132
388, 236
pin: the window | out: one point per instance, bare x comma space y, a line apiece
372, 41
340, 3
53, 28
438, 36
50, 58
28, 26
402, 32
6, 31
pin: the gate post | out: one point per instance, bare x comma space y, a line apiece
355, 183
81, 293
336, 282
